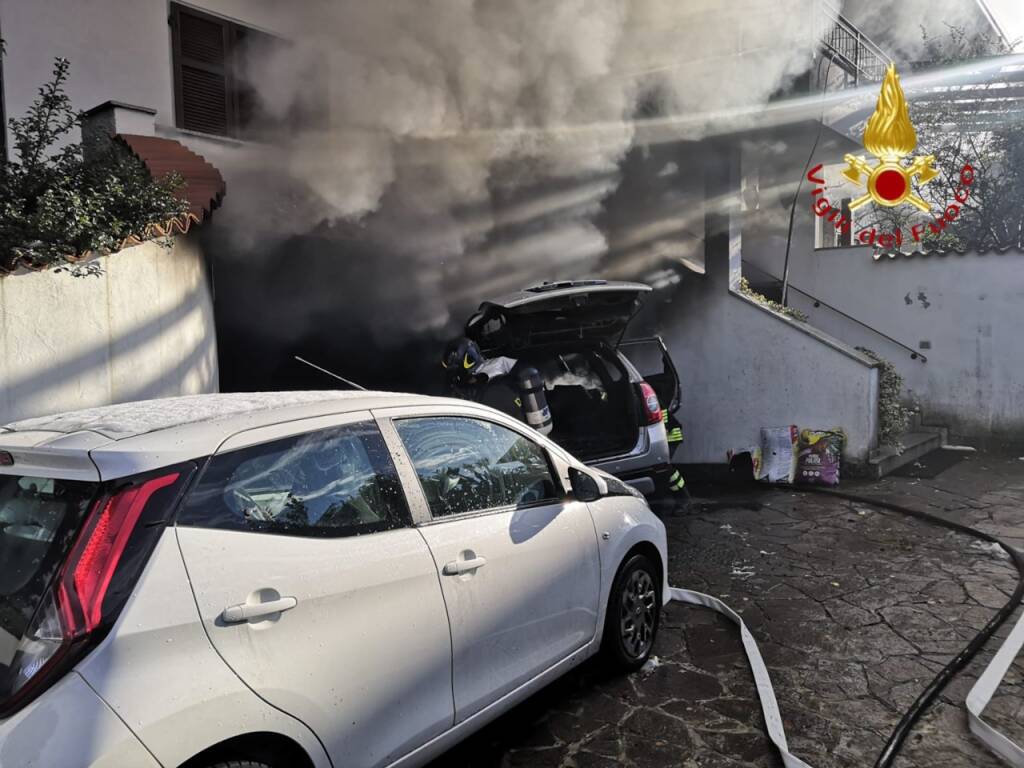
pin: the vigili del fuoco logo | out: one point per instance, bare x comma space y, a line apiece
890, 137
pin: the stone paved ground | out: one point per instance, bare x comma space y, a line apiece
854, 610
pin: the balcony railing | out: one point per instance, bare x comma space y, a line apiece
850, 49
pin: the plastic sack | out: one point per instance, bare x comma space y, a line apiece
820, 456
778, 454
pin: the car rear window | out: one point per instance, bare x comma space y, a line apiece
38, 520
331, 483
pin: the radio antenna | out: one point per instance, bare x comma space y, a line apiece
330, 373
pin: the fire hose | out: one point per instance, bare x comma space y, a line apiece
980, 694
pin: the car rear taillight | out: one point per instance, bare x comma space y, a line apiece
88, 570
651, 411
81, 605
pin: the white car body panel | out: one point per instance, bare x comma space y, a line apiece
51, 454
529, 606
450, 738
628, 522
190, 700
364, 659
69, 727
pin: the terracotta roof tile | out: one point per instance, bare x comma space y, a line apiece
203, 190
203, 187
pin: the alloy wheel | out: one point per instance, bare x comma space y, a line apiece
637, 614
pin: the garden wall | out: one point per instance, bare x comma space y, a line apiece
143, 328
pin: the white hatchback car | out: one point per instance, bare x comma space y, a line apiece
301, 579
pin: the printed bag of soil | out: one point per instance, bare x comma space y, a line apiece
778, 453
819, 457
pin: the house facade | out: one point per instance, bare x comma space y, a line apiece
692, 214
174, 59
143, 325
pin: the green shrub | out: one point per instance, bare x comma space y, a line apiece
764, 301
58, 203
893, 416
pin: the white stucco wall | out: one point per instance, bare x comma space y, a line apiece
743, 367
143, 328
962, 312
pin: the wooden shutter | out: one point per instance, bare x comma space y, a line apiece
202, 50
247, 46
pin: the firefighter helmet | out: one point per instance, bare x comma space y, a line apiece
462, 357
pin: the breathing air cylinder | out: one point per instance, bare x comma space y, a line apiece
535, 404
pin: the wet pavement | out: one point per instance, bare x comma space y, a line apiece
855, 609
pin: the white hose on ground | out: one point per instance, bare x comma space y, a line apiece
765, 692
981, 694
977, 699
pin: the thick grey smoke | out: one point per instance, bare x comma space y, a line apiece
473, 142
914, 29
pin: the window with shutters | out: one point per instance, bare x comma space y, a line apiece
212, 58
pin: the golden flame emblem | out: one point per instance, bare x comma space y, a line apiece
890, 136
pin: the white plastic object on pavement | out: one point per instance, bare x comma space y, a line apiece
982, 692
765, 692
977, 699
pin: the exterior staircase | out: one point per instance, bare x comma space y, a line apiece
919, 439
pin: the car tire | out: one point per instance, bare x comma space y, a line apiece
633, 615
240, 764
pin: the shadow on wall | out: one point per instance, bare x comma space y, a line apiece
142, 329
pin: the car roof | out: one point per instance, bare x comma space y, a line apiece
175, 429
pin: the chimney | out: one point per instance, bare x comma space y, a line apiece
102, 122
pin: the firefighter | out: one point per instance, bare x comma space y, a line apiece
676, 483
471, 376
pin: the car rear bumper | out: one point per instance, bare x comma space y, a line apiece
642, 466
71, 727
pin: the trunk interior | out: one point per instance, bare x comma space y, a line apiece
593, 406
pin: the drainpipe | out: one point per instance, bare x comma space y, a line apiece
3, 108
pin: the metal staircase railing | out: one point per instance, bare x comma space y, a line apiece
769, 278
849, 48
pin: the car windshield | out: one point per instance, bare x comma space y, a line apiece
38, 519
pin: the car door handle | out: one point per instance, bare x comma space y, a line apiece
246, 611
458, 567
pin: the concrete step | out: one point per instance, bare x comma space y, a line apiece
915, 445
917, 425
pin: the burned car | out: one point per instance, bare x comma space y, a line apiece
603, 396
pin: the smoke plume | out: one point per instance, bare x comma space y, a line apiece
912, 30
450, 150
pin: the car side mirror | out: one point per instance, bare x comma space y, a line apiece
584, 486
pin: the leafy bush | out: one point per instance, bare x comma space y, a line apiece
59, 203
893, 416
775, 306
